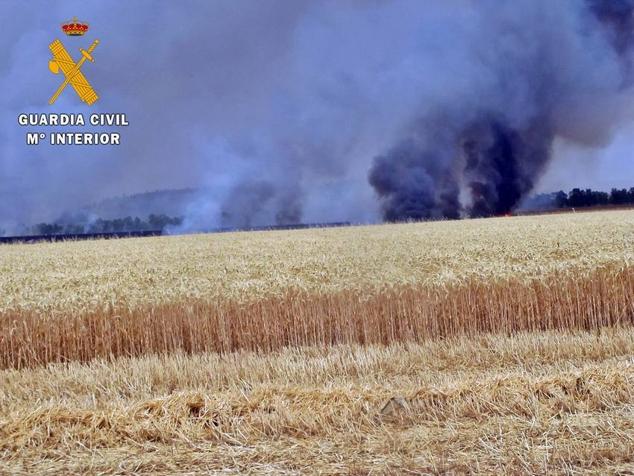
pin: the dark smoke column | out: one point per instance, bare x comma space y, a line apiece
415, 183
491, 152
500, 165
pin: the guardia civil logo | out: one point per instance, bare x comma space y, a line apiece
66, 129
63, 61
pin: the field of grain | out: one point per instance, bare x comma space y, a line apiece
92, 275
546, 404
494, 345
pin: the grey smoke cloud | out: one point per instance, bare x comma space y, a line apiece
540, 71
278, 109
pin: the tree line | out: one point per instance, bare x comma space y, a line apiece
152, 223
578, 198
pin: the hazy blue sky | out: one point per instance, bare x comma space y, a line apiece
290, 99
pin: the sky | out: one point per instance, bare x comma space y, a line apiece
277, 109
601, 168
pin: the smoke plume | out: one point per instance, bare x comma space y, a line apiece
552, 71
280, 111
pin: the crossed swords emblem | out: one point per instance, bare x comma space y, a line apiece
72, 71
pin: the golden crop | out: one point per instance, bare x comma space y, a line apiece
90, 275
498, 346
548, 403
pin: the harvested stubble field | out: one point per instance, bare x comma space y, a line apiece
475, 346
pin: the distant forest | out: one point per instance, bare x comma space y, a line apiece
578, 198
152, 223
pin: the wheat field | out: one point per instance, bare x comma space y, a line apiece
92, 275
489, 346
538, 404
